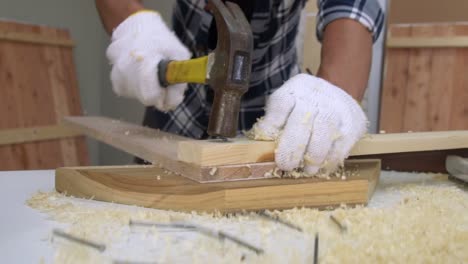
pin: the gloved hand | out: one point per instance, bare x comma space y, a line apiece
316, 124
138, 45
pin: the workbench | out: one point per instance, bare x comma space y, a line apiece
25, 232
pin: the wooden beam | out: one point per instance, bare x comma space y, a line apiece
427, 42
39, 133
150, 186
158, 146
239, 151
419, 161
35, 39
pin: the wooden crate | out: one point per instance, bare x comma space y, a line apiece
38, 87
426, 78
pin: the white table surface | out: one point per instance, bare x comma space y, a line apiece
24, 231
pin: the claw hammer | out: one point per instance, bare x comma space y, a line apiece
226, 70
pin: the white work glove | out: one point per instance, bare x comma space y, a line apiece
316, 124
138, 45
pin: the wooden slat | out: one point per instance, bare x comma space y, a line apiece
439, 100
22, 135
152, 187
35, 39
419, 161
36, 92
459, 104
240, 151
419, 79
164, 147
393, 93
427, 42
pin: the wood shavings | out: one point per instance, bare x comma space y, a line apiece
340, 173
428, 225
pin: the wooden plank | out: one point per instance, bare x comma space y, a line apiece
393, 95
155, 146
240, 151
427, 42
419, 79
459, 104
22, 135
442, 75
159, 146
419, 161
152, 187
35, 79
35, 39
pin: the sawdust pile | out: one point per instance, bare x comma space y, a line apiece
430, 225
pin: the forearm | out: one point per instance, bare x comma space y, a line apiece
346, 56
113, 12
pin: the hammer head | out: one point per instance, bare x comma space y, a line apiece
230, 68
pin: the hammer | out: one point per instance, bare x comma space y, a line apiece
226, 70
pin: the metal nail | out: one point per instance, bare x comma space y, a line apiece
222, 235
280, 221
203, 230
82, 241
316, 248
338, 223
162, 225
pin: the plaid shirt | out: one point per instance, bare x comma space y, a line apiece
274, 26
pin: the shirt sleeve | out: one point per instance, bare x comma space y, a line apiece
367, 12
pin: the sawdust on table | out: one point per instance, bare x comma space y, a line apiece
429, 225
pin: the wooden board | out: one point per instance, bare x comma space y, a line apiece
139, 185
40, 133
426, 85
419, 161
247, 151
38, 87
154, 145
427, 11
205, 160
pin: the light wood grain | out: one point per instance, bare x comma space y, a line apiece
35, 39
419, 81
22, 135
240, 151
181, 154
459, 104
434, 95
439, 100
392, 108
139, 185
159, 148
33, 84
427, 42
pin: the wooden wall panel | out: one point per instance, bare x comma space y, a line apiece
38, 87
424, 11
393, 96
425, 89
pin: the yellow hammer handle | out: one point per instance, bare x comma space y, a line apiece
188, 71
